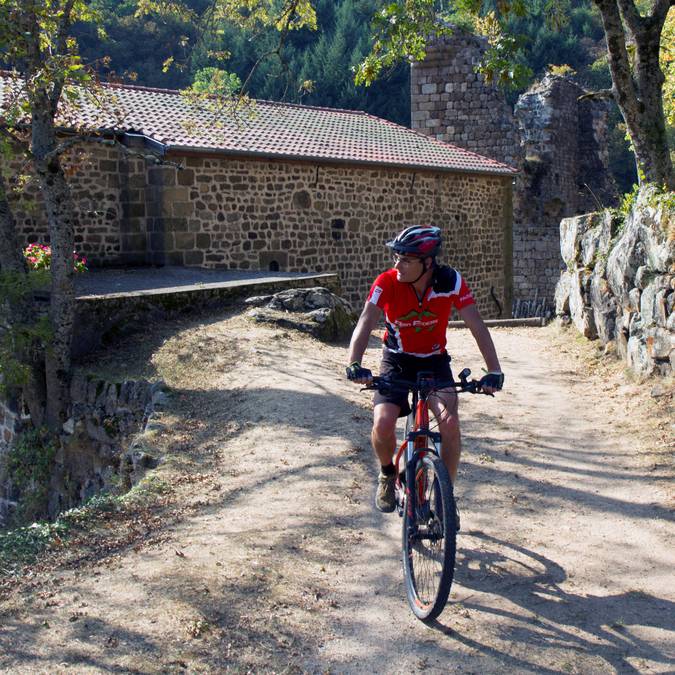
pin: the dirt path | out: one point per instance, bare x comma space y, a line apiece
274, 560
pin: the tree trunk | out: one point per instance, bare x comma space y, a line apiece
653, 155
639, 96
60, 217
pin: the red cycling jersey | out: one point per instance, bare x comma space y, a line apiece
417, 326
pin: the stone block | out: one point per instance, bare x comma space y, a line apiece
194, 257
186, 177
162, 176
182, 209
203, 240
133, 242
184, 240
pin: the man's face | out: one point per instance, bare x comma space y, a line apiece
408, 268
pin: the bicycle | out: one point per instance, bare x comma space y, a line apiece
428, 510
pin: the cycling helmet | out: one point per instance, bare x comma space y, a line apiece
419, 240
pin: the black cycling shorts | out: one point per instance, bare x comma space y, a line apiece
407, 367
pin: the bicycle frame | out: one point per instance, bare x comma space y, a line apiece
416, 441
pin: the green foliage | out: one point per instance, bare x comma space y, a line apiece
400, 32
21, 545
216, 81
628, 200
19, 340
562, 70
28, 465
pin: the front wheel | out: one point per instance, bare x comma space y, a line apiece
429, 538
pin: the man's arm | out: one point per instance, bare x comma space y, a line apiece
472, 318
366, 324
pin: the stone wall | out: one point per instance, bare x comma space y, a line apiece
95, 176
102, 447
619, 282
557, 142
241, 213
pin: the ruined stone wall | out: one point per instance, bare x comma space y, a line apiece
557, 142
564, 173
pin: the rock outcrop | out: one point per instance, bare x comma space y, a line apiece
316, 311
619, 285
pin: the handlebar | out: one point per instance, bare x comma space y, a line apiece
425, 384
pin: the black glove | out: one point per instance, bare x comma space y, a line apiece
356, 372
444, 279
492, 380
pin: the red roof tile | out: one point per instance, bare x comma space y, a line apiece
271, 129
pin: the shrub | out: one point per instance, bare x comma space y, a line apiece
39, 257
29, 463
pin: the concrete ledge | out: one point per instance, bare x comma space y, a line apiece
103, 318
535, 321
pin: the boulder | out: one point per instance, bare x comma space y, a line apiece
316, 311
624, 260
583, 239
660, 343
638, 356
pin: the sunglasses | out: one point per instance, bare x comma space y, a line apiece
405, 260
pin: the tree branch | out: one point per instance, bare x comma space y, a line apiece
11, 136
659, 13
61, 48
631, 16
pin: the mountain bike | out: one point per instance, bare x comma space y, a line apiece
424, 496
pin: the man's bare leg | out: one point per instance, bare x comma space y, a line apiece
445, 408
383, 435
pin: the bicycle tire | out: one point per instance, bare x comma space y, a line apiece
429, 555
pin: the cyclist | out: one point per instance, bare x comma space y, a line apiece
416, 297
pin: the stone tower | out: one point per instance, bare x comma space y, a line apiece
450, 101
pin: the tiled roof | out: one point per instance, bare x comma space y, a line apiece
271, 129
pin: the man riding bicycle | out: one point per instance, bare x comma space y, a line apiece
416, 297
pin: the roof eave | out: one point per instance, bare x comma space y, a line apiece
178, 149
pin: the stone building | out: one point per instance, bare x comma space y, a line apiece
280, 187
554, 138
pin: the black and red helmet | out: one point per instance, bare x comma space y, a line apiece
419, 240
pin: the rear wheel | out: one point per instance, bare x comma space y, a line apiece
429, 538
